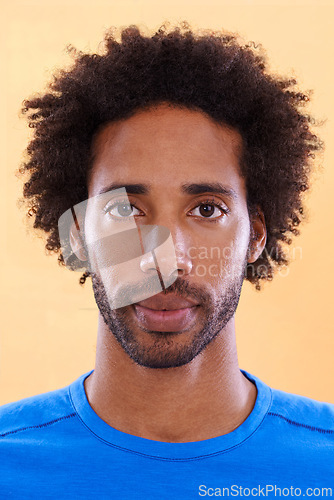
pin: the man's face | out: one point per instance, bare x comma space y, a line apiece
165, 148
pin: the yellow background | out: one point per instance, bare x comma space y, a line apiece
48, 322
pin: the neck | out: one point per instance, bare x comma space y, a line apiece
206, 398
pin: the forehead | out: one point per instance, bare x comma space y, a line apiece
164, 143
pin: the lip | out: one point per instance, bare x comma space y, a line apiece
165, 321
170, 302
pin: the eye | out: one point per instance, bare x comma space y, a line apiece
207, 210
122, 210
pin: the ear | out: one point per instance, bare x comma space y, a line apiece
76, 241
258, 237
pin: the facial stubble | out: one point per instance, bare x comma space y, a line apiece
170, 349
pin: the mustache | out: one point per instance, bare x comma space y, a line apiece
135, 292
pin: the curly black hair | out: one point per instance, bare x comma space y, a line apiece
202, 70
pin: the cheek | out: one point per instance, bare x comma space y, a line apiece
236, 251
223, 254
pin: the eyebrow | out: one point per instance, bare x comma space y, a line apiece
191, 189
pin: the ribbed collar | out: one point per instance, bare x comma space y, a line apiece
170, 451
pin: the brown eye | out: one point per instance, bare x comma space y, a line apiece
208, 209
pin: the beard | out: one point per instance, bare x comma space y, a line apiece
154, 349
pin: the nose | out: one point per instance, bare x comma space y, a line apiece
169, 259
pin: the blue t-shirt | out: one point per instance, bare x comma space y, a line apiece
54, 445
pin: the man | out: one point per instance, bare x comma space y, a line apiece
146, 160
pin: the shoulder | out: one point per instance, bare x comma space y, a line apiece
296, 436
35, 412
295, 411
